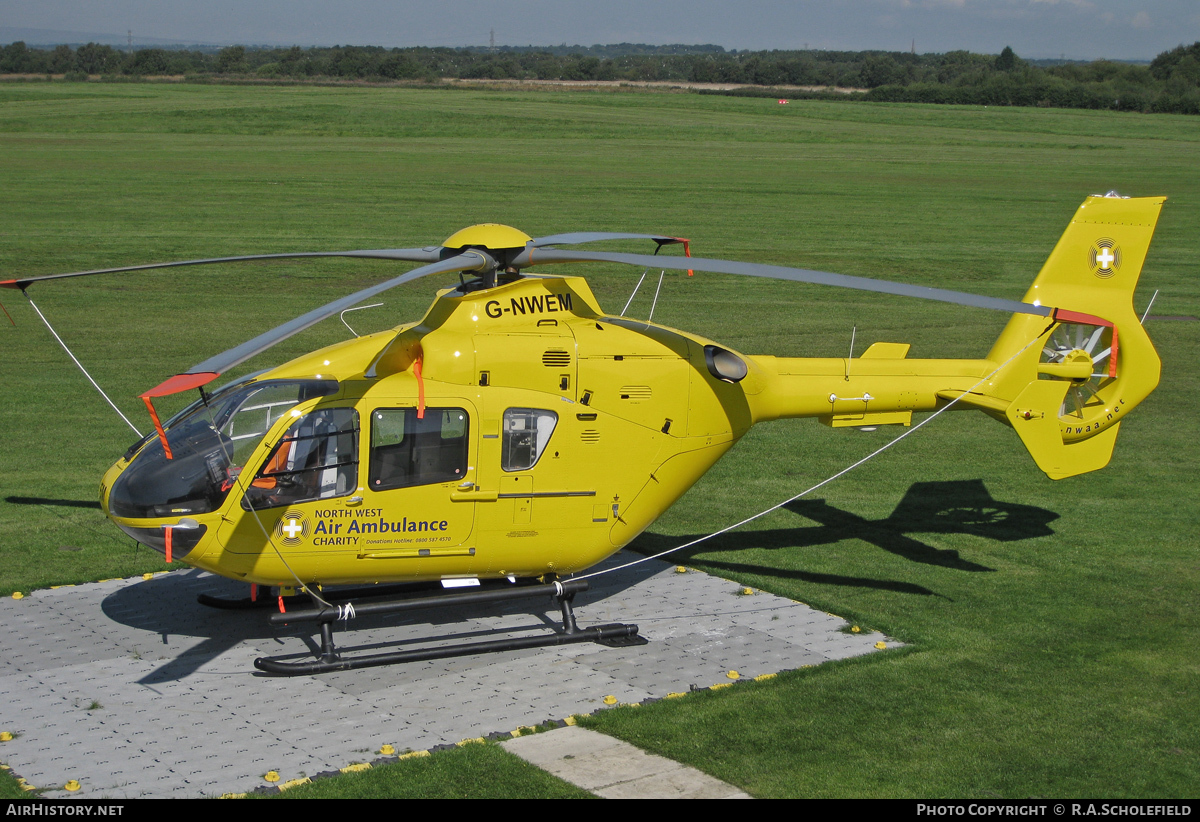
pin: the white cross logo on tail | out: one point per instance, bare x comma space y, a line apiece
1104, 258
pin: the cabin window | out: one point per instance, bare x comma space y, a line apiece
316, 459
526, 433
409, 450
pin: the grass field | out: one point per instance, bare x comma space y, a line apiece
1050, 638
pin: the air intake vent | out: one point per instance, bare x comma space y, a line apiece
635, 392
556, 359
590, 435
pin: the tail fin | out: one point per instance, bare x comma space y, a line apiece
1067, 392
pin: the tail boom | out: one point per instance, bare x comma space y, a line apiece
1064, 382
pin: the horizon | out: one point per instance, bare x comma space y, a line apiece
1035, 29
118, 42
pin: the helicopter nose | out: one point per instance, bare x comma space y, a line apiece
173, 540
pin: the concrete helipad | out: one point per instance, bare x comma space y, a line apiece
133, 689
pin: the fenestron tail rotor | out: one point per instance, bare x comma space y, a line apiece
1090, 344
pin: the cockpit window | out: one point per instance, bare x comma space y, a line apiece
316, 459
210, 443
247, 422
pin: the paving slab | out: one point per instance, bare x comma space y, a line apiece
613, 769
133, 689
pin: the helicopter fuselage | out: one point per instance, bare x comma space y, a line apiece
515, 431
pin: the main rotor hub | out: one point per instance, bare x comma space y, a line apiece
492, 236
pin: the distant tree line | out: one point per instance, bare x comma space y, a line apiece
1170, 83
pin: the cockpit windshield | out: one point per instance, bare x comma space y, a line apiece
210, 443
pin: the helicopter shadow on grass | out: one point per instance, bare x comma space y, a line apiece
166, 610
957, 507
60, 503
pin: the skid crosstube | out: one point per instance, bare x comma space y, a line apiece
329, 660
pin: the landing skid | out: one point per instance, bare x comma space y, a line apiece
328, 658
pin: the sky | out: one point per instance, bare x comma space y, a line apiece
1076, 29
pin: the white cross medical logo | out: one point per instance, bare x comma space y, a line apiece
291, 529
1105, 258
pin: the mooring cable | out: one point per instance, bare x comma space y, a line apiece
661, 274
78, 363
635, 291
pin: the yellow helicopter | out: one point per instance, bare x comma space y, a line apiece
518, 433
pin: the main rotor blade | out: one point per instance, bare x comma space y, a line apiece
468, 261
595, 236
547, 256
428, 254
